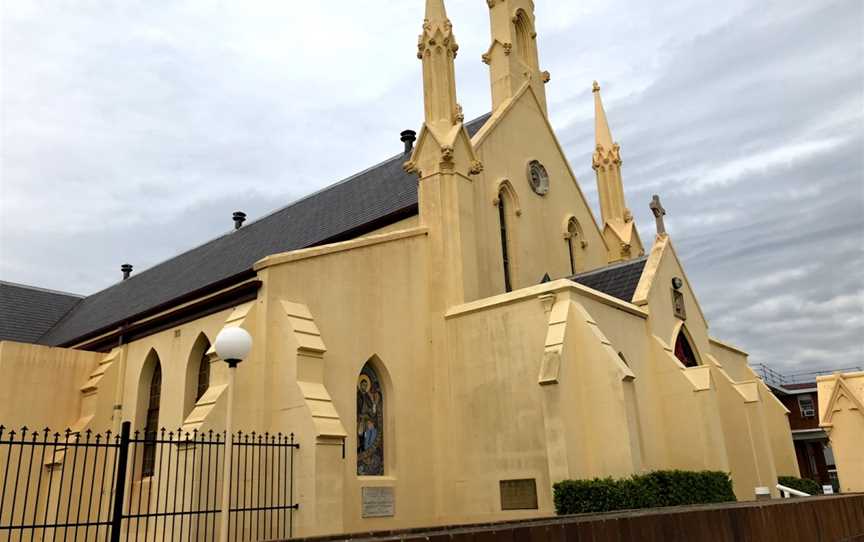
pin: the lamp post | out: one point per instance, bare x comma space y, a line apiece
232, 345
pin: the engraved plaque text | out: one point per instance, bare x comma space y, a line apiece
378, 502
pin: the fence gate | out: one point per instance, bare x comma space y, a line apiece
136, 487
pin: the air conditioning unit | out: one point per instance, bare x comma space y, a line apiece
808, 413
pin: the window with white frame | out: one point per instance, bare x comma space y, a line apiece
805, 403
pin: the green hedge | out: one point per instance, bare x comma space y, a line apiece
658, 488
801, 484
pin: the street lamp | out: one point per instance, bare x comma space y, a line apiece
232, 345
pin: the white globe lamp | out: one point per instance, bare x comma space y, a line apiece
233, 345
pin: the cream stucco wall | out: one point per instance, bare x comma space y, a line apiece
512, 138
39, 385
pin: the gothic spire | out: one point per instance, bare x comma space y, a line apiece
437, 49
618, 228
602, 133
435, 10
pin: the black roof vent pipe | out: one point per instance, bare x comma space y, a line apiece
239, 218
127, 270
408, 137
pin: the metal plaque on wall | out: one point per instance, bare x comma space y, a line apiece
519, 494
378, 502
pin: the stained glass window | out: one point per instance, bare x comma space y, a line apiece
684, 352
370, 423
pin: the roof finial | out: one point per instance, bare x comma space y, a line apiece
596, 87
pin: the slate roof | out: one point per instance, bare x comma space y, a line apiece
26, 312
618, 280
370, 199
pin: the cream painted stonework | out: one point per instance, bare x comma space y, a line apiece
547, 381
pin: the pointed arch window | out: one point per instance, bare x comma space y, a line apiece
370, 423
505, 240
203, 376
684, 351
151, 426
575, 245
197, 379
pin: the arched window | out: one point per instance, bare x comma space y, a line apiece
575, 245
151, 426
203, 376
684, 351
370, 423
505, 239
197, 374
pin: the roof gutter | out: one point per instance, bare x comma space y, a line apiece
176, 313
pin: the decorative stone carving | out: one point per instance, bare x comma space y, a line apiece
410, 167
625, 250
538, 178
603, 157
447, 153
628, 216
508, 48
476, 167
486, 58
546, 76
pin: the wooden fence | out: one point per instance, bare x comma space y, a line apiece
837, 518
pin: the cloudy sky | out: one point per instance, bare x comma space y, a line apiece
132, 129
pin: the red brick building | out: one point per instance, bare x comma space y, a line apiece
798, 394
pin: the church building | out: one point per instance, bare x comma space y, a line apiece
451, 331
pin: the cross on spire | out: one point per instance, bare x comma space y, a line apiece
659, 213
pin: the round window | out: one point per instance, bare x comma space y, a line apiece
538, 178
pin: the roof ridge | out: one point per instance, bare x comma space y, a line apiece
40, 289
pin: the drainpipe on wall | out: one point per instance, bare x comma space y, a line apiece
117, 408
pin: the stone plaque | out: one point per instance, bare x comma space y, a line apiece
378, 502
519, 494
678, 305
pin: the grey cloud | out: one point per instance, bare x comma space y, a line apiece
131, 133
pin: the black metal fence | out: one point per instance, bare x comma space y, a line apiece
86, 486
